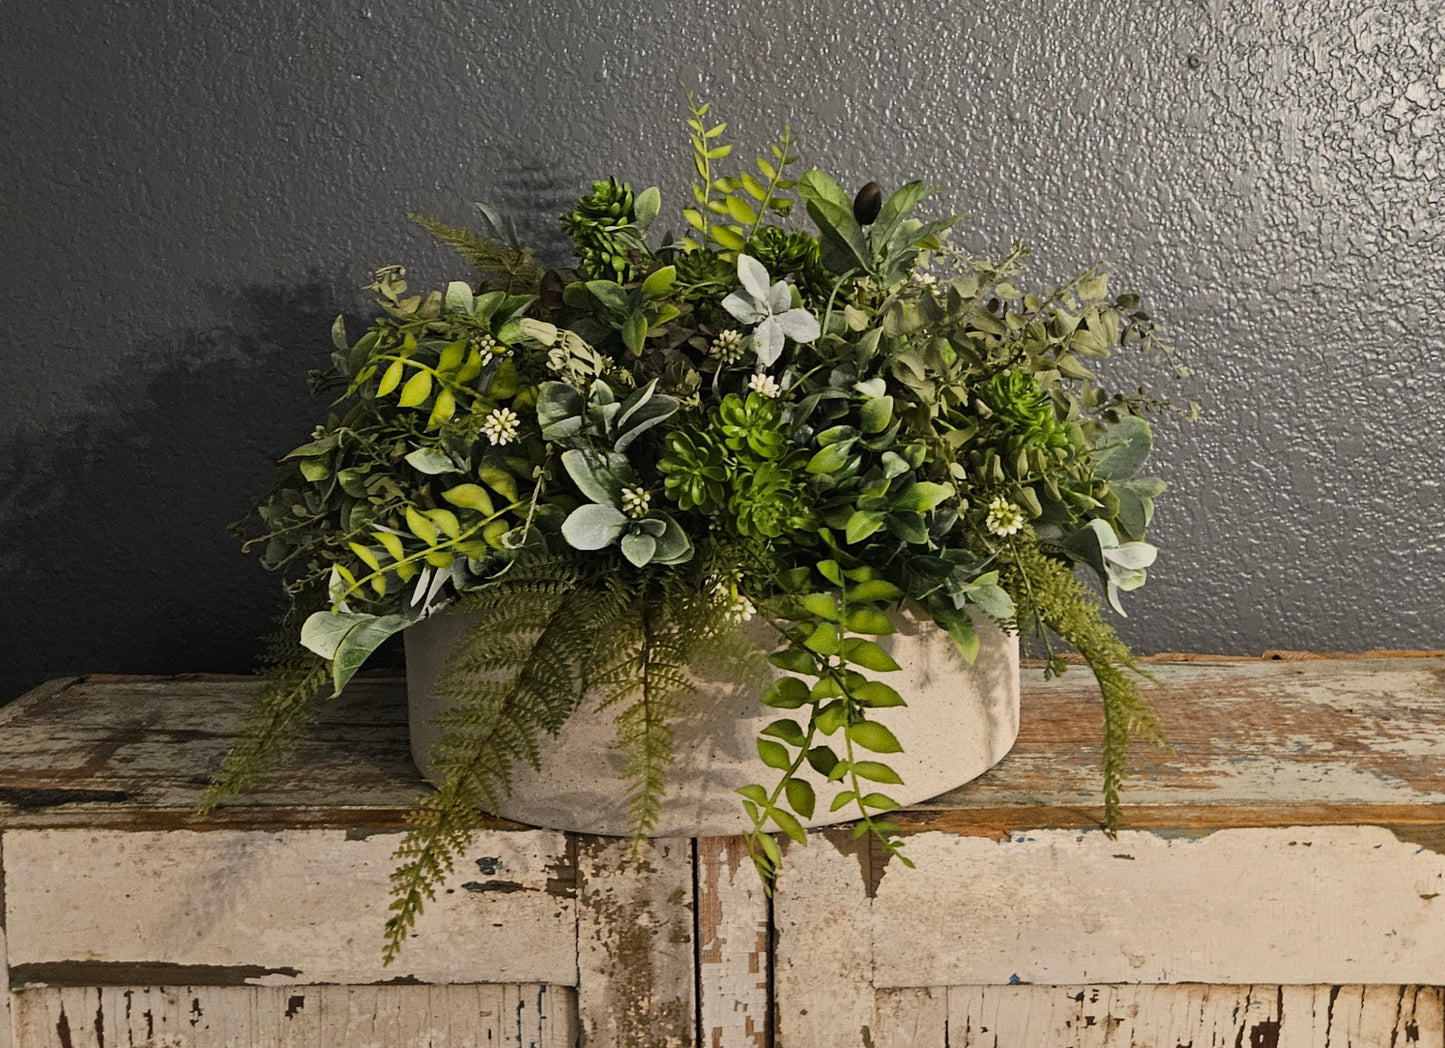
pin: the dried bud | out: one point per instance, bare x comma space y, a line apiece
868, 203
551, 290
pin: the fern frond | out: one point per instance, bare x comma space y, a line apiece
494, 721
511, 267
1047, 594
296, 682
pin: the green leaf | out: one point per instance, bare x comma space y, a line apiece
824, 640
470, 496
431, 461
868, 620
390, 378
786, 693
315, 470
740, 211
874, 736
500, 481
367, 556
801, 797
922, 496
822, 759
878, 802
729, 239
446, 520
338, 334
442, 410
787, 730
830, 717
421, 527
391, 543
646, 205
774, 754
793, 660
862, 523
593, 526
634, 333
610, 295
842, 800
874, 589
659, 282
876, 695
1125, 446
830, 571
830, 459
876, 772
416, 390
789, 825
754, 792
868, 655
821, 605
875, 414
459, 297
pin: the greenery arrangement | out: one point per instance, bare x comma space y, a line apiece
621, 461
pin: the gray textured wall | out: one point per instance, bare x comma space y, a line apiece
190, 191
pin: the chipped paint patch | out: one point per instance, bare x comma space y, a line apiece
140, 973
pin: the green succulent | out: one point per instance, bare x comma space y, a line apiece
695, 472
768, 500
704, 274
796, 253
753, 425
594, 226
1023, 412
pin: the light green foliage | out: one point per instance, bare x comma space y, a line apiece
618, 458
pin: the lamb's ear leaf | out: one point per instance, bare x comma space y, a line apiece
347, 640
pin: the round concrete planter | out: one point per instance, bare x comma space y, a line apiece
960, 720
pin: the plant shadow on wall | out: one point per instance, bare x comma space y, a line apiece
141, 483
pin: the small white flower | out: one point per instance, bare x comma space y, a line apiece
635, 502
924, 278
501, 426
1004, 518
318, 433
728, 346
764, 385
485, 343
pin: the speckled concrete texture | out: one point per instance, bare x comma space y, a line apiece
191, 190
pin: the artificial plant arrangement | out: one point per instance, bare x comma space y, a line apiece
622, 460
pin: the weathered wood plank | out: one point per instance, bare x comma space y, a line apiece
1301, 905
83, 907
823, 943
1368, 731
635, 944
136, 752
733, 944
911, 1018
458, 1016
1193, 1015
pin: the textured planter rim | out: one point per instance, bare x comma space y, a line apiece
959, 721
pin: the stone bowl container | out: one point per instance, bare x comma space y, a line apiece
959, 721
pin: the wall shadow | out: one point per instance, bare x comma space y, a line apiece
113, 540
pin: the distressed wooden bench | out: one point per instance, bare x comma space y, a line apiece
1280, 883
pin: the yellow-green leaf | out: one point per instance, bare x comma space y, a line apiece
416, 390
447, 521
390, 379
442, 410
500, 481
452, 356
421, 527
392, 543
740, 211
366, 555
470, 496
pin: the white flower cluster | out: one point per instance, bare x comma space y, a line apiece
501, 426
728, 346
318, 433
485, 343
1004, 518
924, 278
764, 385
635, 502
736, 607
